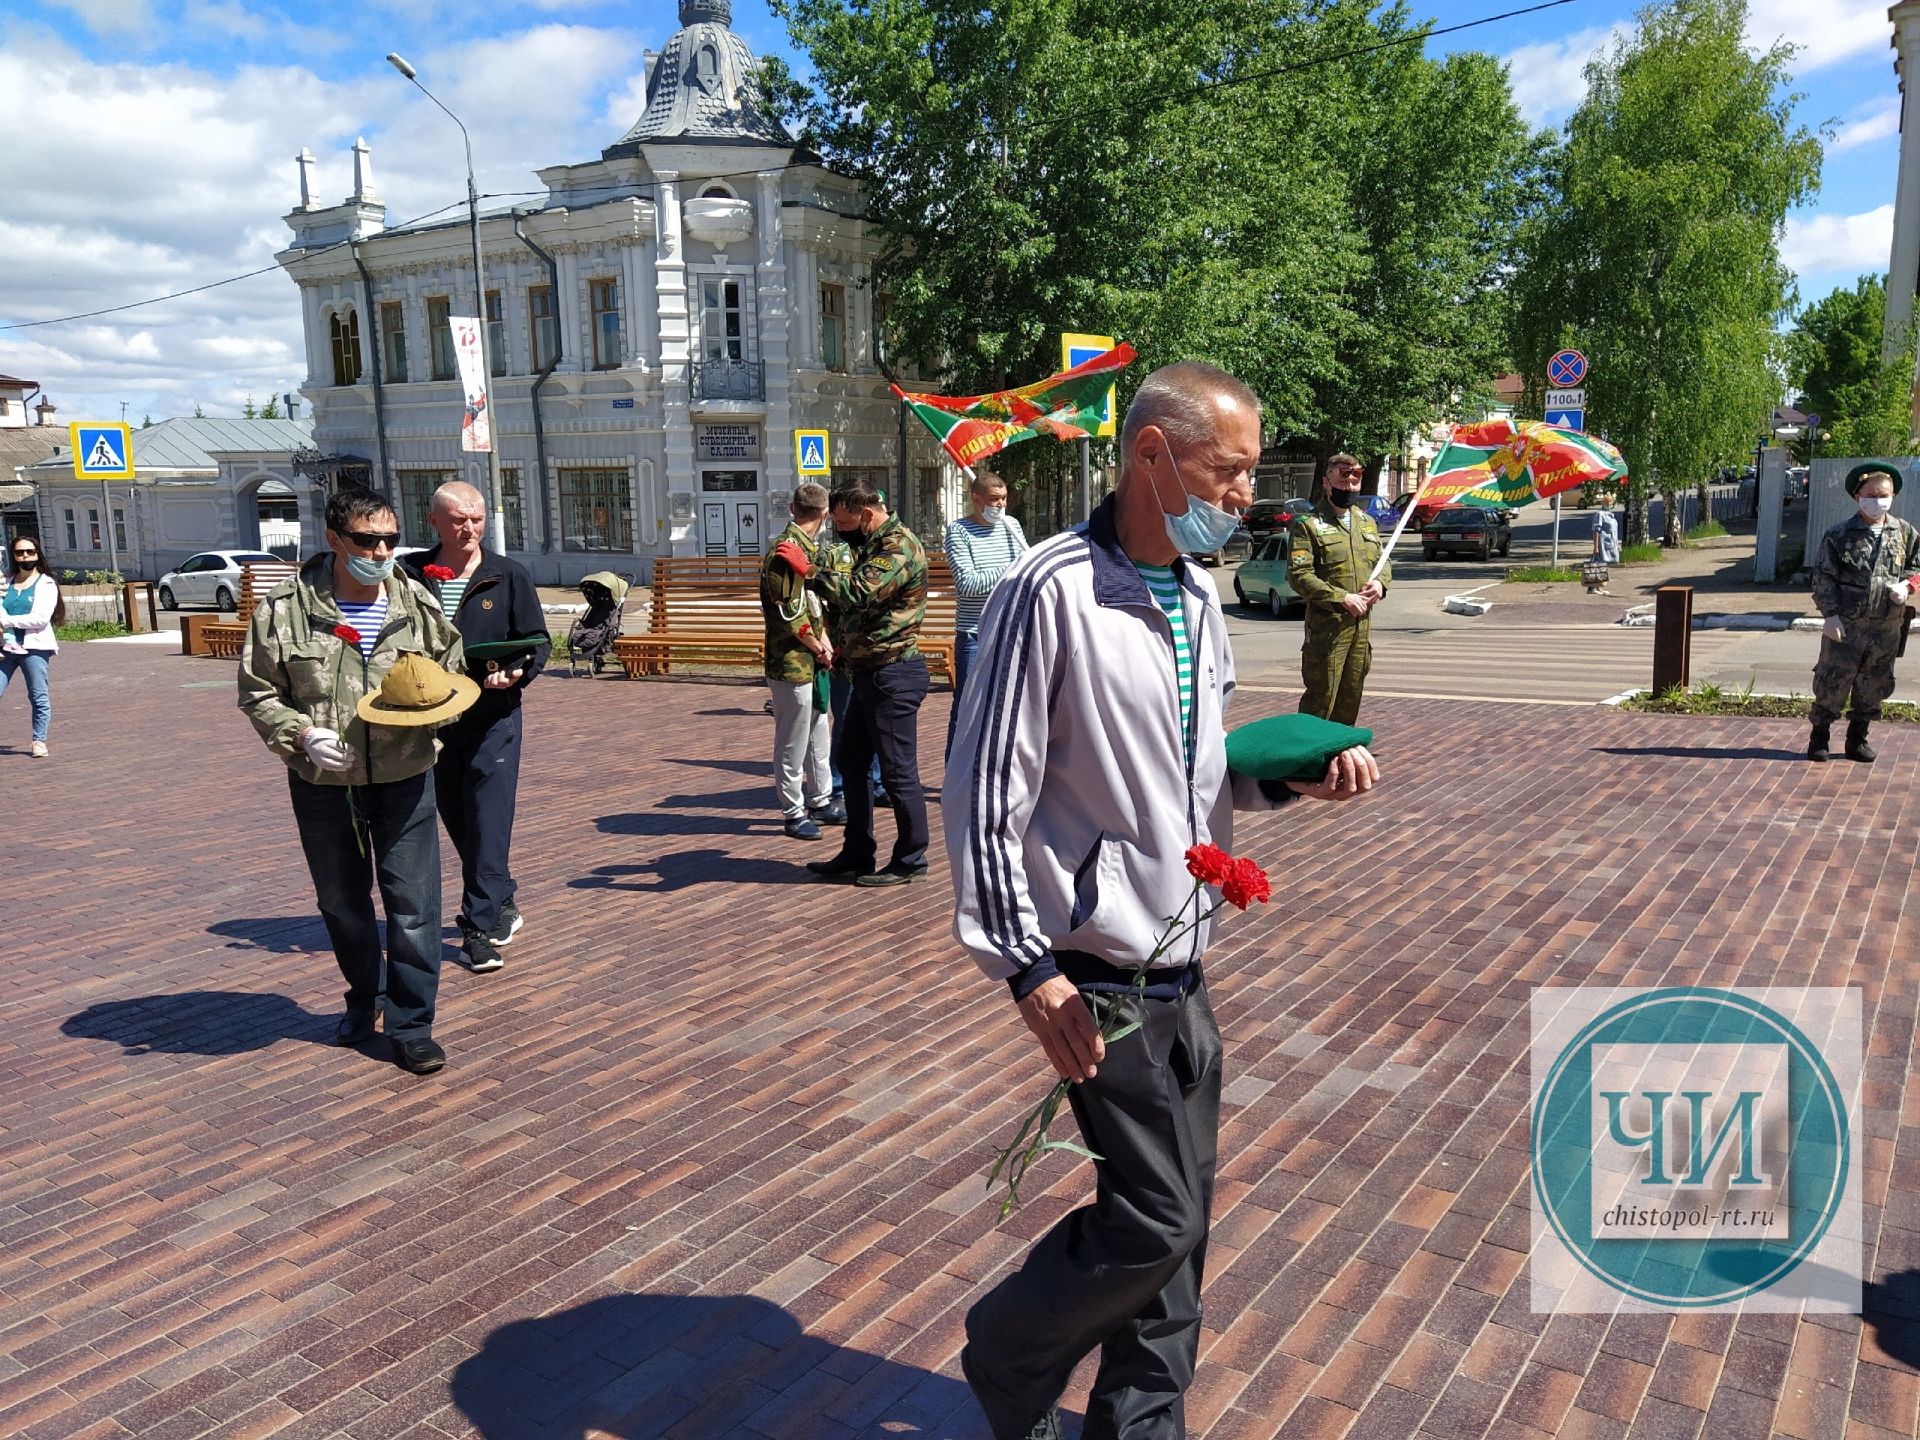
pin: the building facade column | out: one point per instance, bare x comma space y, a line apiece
1903, 271
676, 353
776, 344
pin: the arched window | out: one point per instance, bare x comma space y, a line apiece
717, 191
345, 336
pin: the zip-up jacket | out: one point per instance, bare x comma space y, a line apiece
295, 672
1070, 799
500, 603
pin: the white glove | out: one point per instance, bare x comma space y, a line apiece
1834, 630
1901, 589
326, 749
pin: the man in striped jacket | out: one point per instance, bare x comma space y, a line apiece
980, 549
1090, 755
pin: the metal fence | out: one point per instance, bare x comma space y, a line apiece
90, 602
1725, 503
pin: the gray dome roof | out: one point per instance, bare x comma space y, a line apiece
702, 87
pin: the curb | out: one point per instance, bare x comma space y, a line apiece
1641, 616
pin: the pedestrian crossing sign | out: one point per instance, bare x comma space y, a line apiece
811, 452
101, 452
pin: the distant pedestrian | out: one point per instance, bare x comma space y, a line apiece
1863, 576
980, 548
836, 554
1330, 566
798, 657
27, 645
884, 600
503, 631
319, 648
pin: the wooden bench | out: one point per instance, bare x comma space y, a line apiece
224, 638
706, 611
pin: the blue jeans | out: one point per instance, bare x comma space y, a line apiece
34, 662
839, 696
966, 644
403, 853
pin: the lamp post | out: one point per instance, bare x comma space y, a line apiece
496, 515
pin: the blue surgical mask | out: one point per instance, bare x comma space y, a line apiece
993, 514
1204, 528
369, 572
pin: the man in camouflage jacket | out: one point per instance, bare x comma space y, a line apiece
1333, 553
362, 794
877, 609
1863, 576
797, 655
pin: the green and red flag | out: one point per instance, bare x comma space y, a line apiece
1509, 462
1066, 406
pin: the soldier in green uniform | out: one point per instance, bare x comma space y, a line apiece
1333, 552
876, 612
1862, 577
798, 653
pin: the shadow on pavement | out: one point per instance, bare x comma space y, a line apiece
755, 797
1704, 752
703, 1367
696, 867
199, 1022
652, 822
282, 934
763, 768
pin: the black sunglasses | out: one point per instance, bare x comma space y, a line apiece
367, 539
26, 554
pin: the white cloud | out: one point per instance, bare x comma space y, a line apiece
1820, 243
1826, 31
106, 16
1549, 79
1872, 122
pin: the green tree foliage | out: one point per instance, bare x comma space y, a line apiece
271, 410
1230, 182
1656, 248
250, 410
1841, 372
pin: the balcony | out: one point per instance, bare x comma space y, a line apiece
728, 379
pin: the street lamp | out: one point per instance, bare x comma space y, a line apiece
496, 516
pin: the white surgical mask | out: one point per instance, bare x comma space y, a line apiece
369, 572
993, 514
1204, 528
1876, 507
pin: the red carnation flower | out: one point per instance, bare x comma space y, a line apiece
347, 633
1209, 864
1246, 883
437, 572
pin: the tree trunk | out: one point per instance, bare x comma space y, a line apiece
1670, 516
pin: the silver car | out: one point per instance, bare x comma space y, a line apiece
210, 578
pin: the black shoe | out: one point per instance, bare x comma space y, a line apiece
482, 957
510, 922
1857, 746
1820, 743
832, 813
1005, 1425
418, 1057
880, 796
801, 828
357, 1027
892, 875
839, 868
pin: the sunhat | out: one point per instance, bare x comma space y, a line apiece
416, 691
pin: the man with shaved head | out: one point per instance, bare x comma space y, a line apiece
492, 602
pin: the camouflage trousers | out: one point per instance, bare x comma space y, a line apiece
1860, 666
1334, 662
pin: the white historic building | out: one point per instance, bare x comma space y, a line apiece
659, 325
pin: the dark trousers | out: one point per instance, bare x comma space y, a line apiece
476, 779
839, 697
403, 854
883, 720
966, 645
1123, 1273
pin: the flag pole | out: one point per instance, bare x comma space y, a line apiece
1386, 551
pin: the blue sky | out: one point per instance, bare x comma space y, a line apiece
151, 148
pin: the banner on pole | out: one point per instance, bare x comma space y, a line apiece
476, 428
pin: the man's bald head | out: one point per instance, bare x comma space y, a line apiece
458, 515
457, 495
1186, 401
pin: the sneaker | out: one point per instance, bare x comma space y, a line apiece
892, 875
510, 922
482, 958
801, 828
834, 812
39, 749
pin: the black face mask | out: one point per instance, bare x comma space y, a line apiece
1343, 498
851, 537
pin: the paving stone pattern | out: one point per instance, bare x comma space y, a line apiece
701, 1168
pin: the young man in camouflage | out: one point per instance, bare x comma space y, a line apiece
798, 652
363, 794
1862, 578
1332, 556
878, 609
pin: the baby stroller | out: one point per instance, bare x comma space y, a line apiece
592, 636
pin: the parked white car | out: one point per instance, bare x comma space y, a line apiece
210, 578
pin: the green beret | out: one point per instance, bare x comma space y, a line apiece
1290, 747
1866, 470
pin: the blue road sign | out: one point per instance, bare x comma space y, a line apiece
1566, 369
1567, 419
101, 452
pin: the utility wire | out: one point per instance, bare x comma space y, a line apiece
1185, 97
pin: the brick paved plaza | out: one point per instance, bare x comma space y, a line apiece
700, 1167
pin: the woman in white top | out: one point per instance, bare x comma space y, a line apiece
29, 610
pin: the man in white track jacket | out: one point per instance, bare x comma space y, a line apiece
1088, 757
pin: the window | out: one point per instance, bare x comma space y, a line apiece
510, 507
496, 334
345, 335
393, 341
717, 191
441, 330
605, 298
596, 510
3, 406
545, 325
93, 530
120, 528
73, 534
833, 326
416, 495
722, 320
